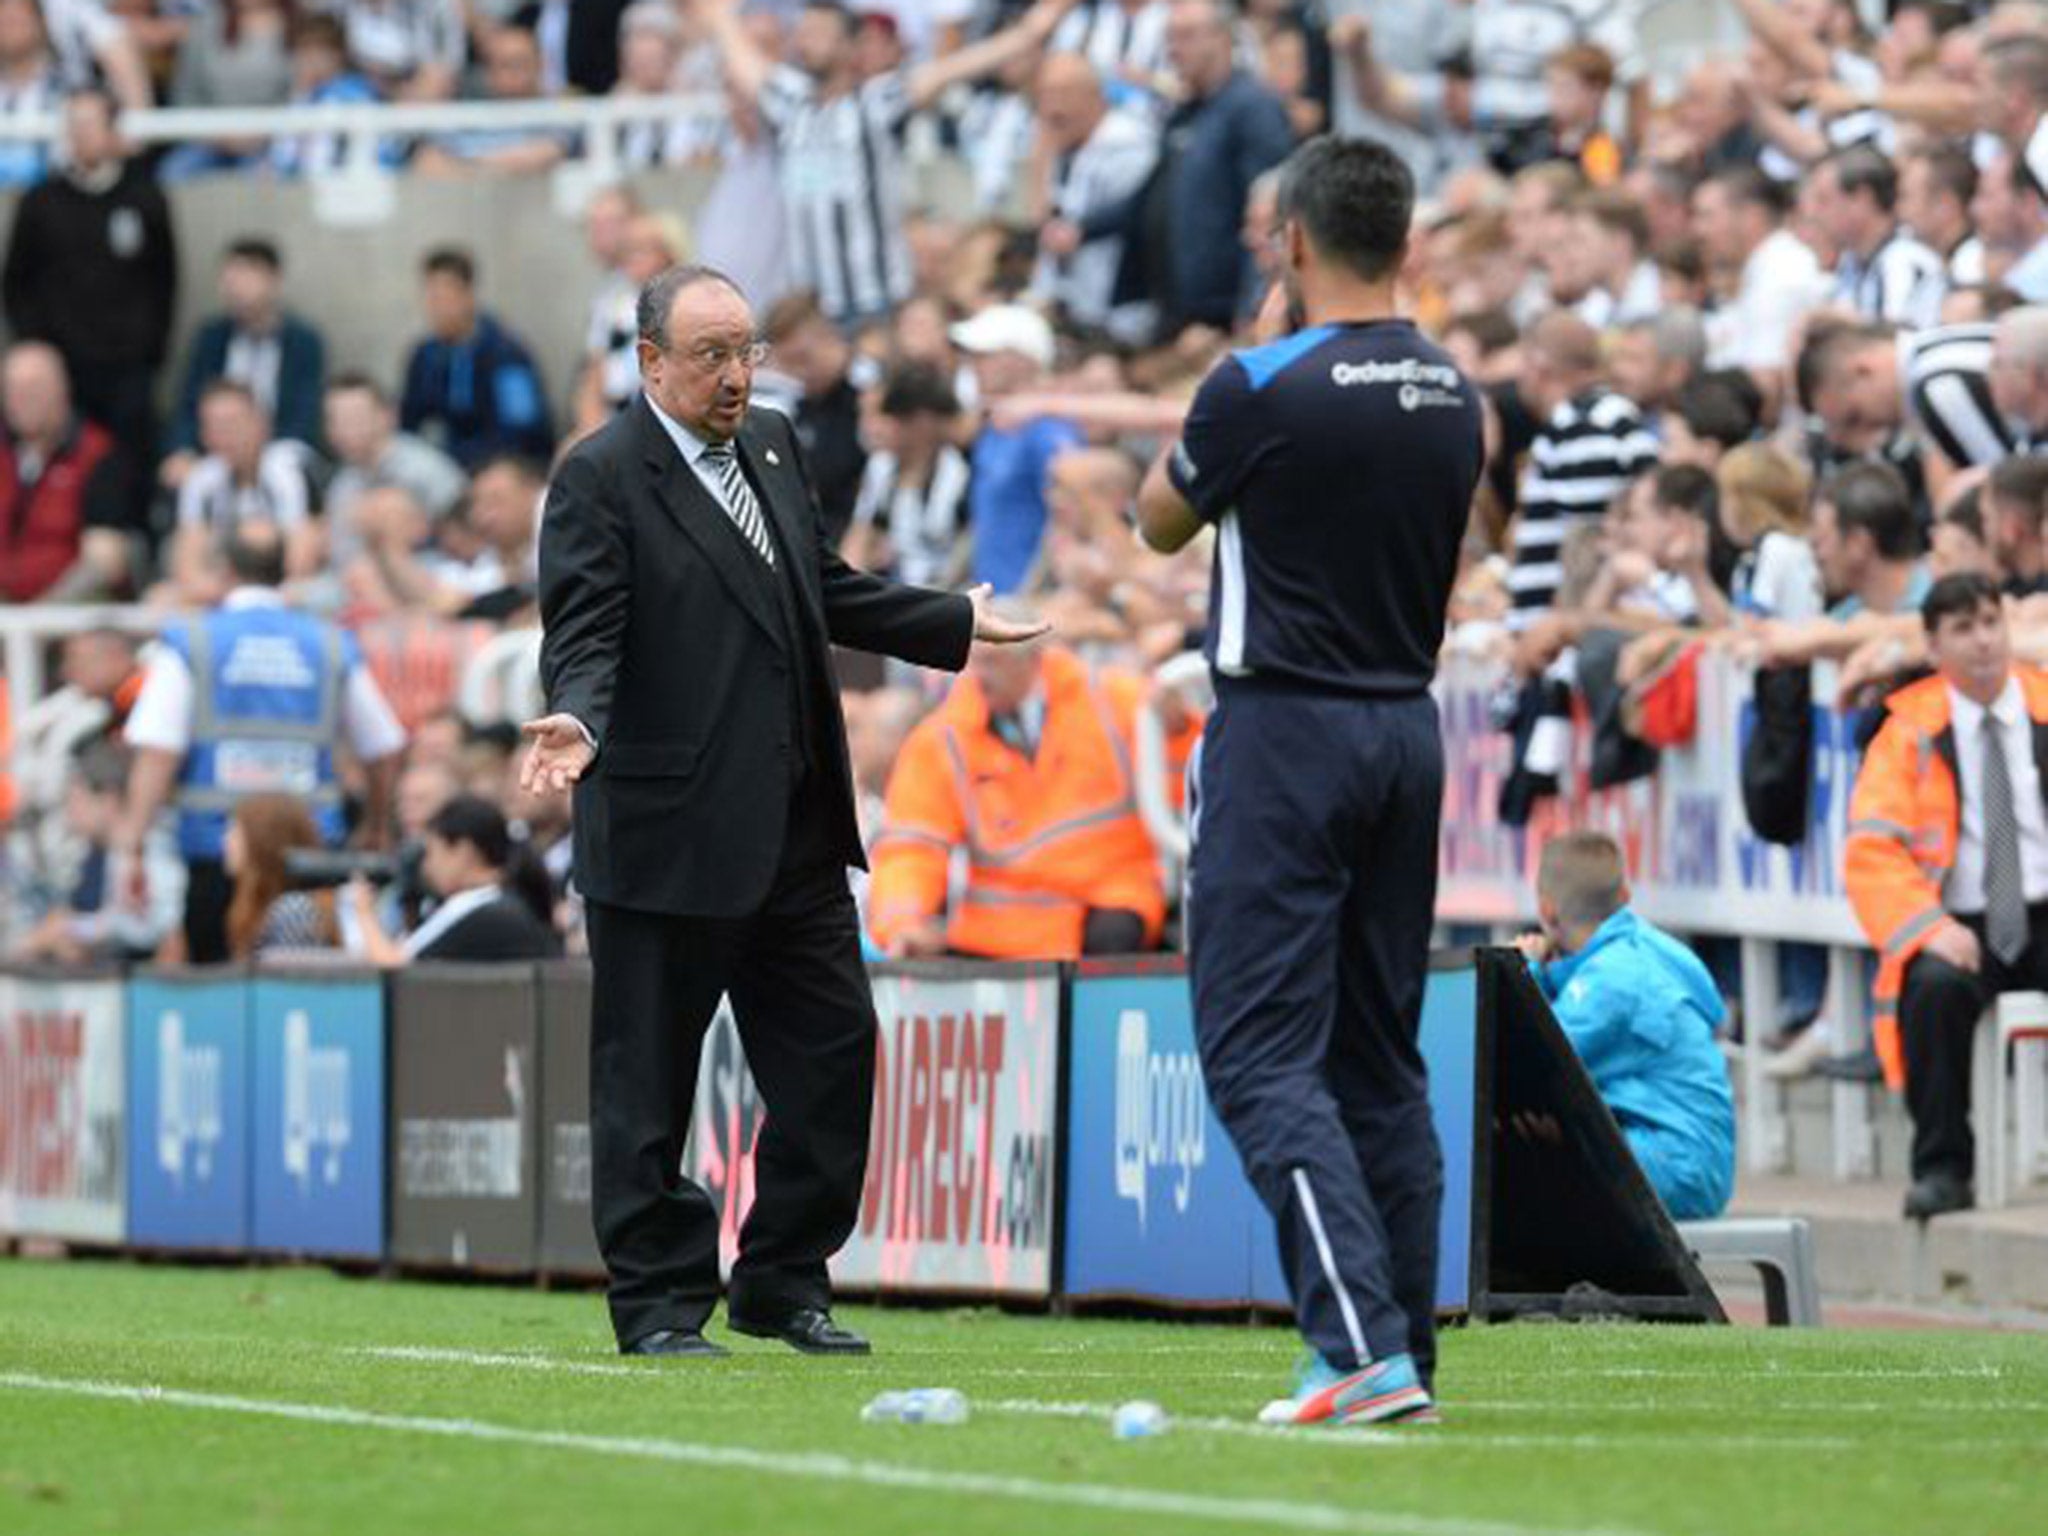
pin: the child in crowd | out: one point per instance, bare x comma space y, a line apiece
1641, 1011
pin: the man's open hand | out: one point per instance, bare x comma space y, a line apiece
991, 628
560, 754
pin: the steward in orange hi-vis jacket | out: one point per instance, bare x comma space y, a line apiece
1903, 823
1947, 868
1027, 768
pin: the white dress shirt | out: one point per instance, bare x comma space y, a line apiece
162, 717
1964, 890
692, 447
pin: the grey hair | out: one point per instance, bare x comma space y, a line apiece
658, 297
1677, 335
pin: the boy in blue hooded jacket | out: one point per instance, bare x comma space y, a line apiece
1641, 1010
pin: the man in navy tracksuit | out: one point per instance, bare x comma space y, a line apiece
1337, 463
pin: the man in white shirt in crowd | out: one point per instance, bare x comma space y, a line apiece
244, 476
1738, 218
1094, 158
371, 453
1883, 271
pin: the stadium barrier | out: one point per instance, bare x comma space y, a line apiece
1695, 867
1041, 1132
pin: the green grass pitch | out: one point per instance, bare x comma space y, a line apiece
143, 1400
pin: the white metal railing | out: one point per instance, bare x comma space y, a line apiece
363, 127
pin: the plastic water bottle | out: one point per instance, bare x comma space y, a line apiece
920, 1405
1137, 1420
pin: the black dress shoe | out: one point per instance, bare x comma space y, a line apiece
807, 1329
675, 1341
1937, 1195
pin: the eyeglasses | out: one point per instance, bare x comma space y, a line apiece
713, 359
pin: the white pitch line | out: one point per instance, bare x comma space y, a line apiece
1363, 1439
1268, 1513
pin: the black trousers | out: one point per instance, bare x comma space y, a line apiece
1938, 1013
806, 1017
209, 890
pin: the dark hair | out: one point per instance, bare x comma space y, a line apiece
474, 820
1353, 198
1951, 167
1860, 168
849, 19
216, 388
1491, 330
254, 552
1828, 346
1615, 211
1686, 488
1747, 184
2022, 478
1874, 497
1720, 407
316, 29
525, 467
918, 389
658, 297
790, 314
254, 248
450, 261
1967, 513
1952, 595
355, 379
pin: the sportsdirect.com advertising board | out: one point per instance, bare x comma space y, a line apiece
960, 1190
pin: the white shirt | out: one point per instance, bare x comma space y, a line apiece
1781, 281
162, 717
692, 447
212, 498
1964, 889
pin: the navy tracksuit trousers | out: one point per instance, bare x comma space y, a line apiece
1311, 889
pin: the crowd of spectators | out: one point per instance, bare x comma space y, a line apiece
1764, 346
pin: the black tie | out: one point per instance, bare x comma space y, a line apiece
2005, 897
740, 504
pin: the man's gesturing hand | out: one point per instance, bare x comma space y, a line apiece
991, 628
558, 757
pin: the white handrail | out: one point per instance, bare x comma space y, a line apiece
171, 125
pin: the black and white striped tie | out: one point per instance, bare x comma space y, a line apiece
2005, 897
740, 504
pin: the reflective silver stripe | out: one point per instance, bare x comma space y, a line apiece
982, 896
963, 786
1931, 918
1002, 858
912, 835
207, 797
201, 644
1877, 826
1107, 719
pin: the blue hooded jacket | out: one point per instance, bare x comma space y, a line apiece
1641, 1010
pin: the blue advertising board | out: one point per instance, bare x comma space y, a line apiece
319, 1115
1157, 1202
188, 1111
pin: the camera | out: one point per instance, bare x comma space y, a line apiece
323, 869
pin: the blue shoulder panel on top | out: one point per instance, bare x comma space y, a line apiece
1263, 364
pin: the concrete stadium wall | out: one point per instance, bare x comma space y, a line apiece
358, 282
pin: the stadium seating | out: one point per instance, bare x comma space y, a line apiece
1781, 1249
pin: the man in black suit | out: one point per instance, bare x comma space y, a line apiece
688, 597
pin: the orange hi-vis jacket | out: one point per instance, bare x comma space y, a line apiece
1904, 819
1046, 837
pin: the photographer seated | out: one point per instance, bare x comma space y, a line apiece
1641, 1010
492, 895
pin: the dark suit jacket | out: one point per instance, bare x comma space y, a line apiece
301, 381
669, 648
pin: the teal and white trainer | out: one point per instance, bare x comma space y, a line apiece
1385, 1392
